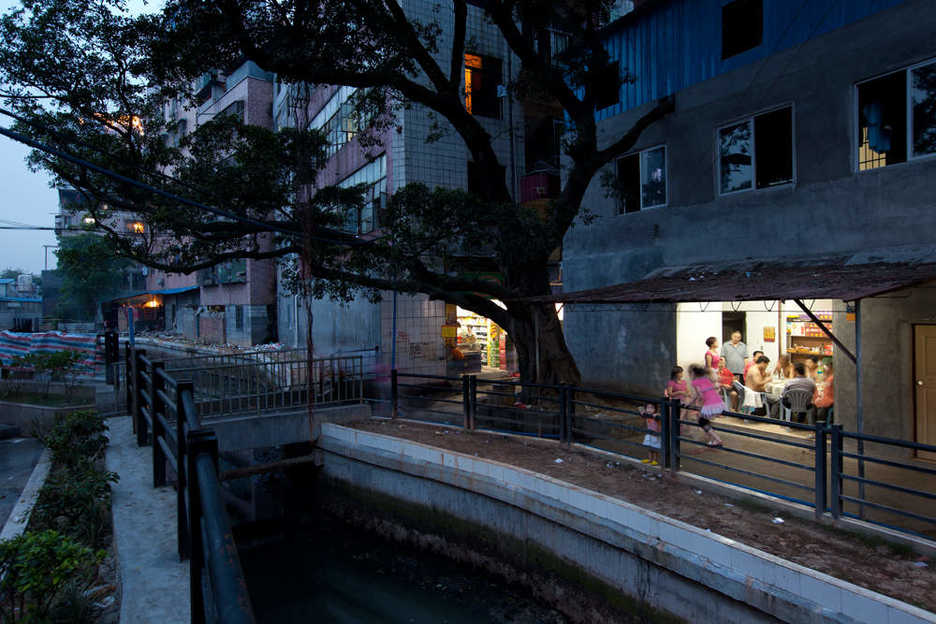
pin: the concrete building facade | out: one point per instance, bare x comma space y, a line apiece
800, 135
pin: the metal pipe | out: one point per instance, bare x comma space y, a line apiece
826, 330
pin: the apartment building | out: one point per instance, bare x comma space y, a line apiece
234, 302
526, 145
798, 165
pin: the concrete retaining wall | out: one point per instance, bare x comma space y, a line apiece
27, 416
672, 566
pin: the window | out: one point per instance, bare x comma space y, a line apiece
238, 317
340, 120
482, 77
742, 26
893, 127
136, 227
235, 110
756, 152
374, 175
641, 180
608, 86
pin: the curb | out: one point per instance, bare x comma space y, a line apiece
19, 517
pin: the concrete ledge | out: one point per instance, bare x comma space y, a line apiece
268, 429
772, 586
19, 517
28, 416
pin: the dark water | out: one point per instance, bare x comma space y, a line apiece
331, 573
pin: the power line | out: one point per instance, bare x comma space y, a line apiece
344, 239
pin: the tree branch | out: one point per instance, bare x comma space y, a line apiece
553, 81
416, 47
458, 43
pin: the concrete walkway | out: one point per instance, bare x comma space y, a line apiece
154, 584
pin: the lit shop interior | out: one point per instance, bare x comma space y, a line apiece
774, 327
476, 344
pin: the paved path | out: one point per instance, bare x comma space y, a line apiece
154, 585
18, 457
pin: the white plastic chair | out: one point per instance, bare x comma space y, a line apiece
800, 402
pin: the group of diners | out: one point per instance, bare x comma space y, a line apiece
766, 389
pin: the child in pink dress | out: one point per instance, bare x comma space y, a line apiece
676, 387
709, 401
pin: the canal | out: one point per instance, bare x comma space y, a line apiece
331, 573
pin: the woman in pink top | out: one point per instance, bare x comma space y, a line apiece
709, 401
712, 355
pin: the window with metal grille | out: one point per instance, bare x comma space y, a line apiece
897, 117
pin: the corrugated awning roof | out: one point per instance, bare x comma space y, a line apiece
836, 278
164, 291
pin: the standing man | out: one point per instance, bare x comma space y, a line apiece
735, 354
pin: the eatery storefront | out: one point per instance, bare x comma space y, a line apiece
875, 320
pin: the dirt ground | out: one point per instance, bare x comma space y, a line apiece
887, 568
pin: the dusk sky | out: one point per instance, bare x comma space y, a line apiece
26, 197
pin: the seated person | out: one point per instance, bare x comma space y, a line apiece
825, 400
725, 379
784, 368
812, 365
800, 381
749, 364
757, 378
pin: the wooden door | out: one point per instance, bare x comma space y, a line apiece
924, 347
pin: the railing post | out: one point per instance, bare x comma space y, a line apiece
674, 411
836, 465
183, 536
199, 441
821, 474
394, 394
466, 401
665, 433
128, 379
137, 397
472, 400
158, 407
570, 414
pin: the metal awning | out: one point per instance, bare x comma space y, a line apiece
835, 278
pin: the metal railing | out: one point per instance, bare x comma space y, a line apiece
165, 416
840, 473
255, 386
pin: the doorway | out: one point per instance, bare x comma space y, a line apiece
732, 321
924, 380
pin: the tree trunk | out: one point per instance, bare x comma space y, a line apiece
542, 353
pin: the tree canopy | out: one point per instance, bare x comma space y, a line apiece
89, 78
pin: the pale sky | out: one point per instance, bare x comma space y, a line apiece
26, 197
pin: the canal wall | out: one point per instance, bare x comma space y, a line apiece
554, 536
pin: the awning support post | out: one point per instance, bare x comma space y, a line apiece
859, 404
826, 330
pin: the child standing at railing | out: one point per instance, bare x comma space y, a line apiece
708, 402
652, 438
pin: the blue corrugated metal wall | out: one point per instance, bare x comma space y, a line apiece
679, 43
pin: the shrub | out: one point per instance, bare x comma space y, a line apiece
36, 568
76, 501
76, 439
54, 366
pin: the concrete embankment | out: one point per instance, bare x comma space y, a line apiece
628, 557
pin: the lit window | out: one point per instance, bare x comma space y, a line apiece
885, 114
482, 77
89, 220
136, 227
